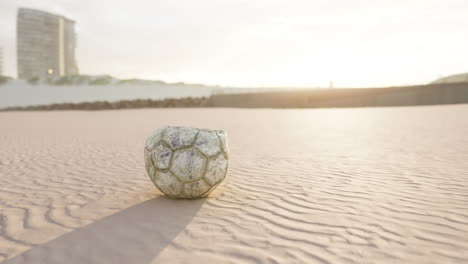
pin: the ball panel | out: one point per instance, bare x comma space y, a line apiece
216, 169
188, 165
150, 170
155, 137
223, 138
207, 143
211, 189
161, 155
177, 137
196, 189
168, 184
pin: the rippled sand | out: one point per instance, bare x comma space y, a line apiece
377, 185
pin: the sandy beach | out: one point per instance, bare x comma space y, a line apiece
361, 185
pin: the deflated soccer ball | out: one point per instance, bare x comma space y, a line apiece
185, 162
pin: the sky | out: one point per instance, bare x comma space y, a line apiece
259, 43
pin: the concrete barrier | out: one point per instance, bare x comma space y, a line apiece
450, 93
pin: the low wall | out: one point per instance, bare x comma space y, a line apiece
453, 93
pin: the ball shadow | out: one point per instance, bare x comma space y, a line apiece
135, 235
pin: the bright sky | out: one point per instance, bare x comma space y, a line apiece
261, 42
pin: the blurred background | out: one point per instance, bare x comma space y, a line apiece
173, 49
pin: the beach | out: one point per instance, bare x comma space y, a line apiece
348, 185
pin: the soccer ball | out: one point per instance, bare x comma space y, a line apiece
185, 162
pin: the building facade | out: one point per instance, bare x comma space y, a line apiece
1, 61
45, 44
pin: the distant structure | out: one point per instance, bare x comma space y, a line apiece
1, 61
455, 78
45, 44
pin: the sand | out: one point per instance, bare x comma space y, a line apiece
374, 185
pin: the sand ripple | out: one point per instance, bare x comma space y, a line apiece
387, 185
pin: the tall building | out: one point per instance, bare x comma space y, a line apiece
45, 44
1, 61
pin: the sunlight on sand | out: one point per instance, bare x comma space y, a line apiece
374, 185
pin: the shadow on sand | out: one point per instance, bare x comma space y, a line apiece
135, 235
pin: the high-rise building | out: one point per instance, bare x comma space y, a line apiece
45, 44
1, 61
